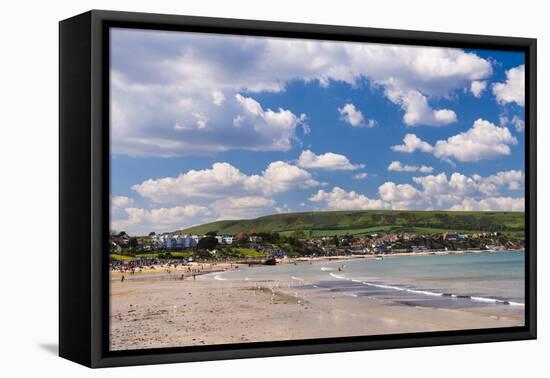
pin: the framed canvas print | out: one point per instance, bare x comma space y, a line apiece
234, 188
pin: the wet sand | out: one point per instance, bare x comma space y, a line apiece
161, 310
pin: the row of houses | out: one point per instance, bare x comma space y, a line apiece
171, 241
394, 242
168, 241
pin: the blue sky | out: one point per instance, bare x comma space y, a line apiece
207, 127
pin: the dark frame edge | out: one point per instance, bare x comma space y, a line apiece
160, 21
75, 337
100, 169
321, 348
531, 189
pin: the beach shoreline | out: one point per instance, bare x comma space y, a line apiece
157, 314
398, 254
162, 310
202, 268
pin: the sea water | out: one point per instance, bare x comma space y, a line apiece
449, 281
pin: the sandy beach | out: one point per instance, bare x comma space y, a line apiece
157, 308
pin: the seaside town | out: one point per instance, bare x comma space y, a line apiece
269, 247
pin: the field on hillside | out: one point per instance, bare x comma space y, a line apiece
326, 223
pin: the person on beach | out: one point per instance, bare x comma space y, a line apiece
194, 276
122, 278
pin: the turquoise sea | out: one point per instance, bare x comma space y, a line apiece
447, 281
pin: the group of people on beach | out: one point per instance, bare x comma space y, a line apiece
189, 270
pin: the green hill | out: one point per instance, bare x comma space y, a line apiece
323, 223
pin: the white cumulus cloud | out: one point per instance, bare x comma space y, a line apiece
140, 221
483, 141
513, 89
242, 198
339, 199
120, 202
160, 79
478, 87
242, 207
519, 123
329, 161
516, 121
454, 192
222, 180
441, 191
412, 143
354, 117
491, 204
390, 191
418, 111
360, 176
399, 167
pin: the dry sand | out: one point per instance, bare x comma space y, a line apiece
161, 310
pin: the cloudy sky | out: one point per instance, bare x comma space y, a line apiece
207, 127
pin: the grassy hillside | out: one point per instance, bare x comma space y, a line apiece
362, 222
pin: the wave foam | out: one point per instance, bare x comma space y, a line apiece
516, 303
339, 277
427, 292
424, 292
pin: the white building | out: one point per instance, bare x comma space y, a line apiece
174, 241
194, 240
225, 239
228, 239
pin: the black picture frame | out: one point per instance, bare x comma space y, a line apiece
84, 187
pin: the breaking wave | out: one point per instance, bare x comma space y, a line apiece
428, 292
